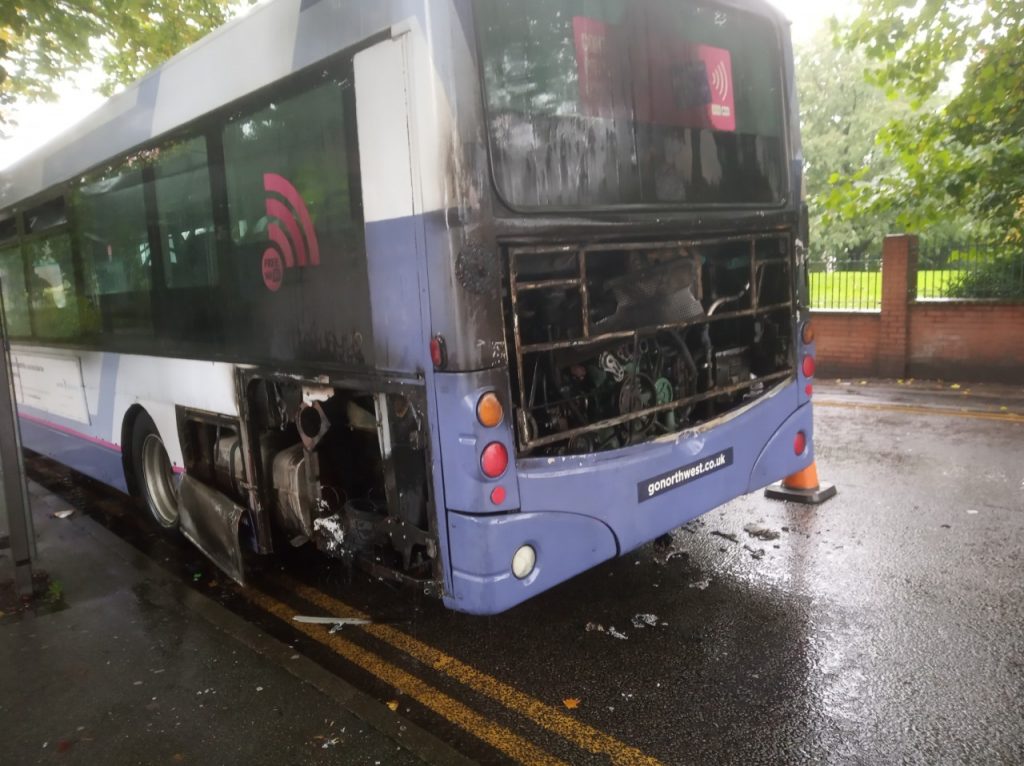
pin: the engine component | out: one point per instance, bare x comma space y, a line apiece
360, 418
296, 490
363, 519
229, 465
313, 424
732, 366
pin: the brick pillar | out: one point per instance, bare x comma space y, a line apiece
899, 290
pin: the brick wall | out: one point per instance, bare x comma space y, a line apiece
967, 341
847, 343
954, 340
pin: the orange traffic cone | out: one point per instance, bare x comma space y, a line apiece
802, 487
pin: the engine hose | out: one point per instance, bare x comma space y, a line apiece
728, 299
709, 355
691, 366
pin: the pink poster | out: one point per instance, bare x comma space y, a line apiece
722, 106
670, 81
592, 66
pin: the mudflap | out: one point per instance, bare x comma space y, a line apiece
210, 521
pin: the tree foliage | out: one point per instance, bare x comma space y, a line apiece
840, 115
43, 41
967, 155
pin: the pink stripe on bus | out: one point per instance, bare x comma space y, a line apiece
70, 431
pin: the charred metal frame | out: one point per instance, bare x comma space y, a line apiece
527, 440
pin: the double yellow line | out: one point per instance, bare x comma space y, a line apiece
549, 718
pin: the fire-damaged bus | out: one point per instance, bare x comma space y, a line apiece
479, 293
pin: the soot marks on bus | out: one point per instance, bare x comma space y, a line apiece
621, 343
344, 469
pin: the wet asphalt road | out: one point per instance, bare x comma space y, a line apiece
884, 627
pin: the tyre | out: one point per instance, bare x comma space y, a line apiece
155, 482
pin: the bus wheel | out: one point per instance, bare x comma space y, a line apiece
158, 486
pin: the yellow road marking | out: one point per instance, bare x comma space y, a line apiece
580, 734
1005, 417
496, 736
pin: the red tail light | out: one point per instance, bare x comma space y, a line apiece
808, 366
494, 460
800, 443
438, 352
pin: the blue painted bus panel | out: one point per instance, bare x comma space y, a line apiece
605, 489
566, 545
86, 455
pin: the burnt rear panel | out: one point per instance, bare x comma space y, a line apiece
620, 343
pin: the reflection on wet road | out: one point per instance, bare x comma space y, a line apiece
884, 627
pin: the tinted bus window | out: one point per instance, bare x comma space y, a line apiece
296, 227
185, 208
110, 223
52, 292
46, 216
12, 278
632, 102
8, 229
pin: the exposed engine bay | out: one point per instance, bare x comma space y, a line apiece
345, 470
618, 344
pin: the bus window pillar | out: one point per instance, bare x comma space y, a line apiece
15, 509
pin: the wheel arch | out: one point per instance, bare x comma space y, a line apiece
128, 447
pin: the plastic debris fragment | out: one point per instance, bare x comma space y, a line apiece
645, 621
761, 532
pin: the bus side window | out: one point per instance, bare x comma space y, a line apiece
12, 278
51, 289
185, 210
110, 224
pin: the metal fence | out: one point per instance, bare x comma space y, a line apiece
972, 270
945, 271
848, 283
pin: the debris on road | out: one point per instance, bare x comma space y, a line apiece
393, 706
336, 623
761, 532
726, 535
571, 703
701, 584
972, 512
755, 553
63, 514
596, 627
645, 621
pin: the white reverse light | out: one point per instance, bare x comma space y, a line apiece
524, 561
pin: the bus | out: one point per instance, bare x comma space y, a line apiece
476, 293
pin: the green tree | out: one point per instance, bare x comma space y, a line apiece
840, 116
42, 41
968, 154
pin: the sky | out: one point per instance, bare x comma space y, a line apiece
38, 123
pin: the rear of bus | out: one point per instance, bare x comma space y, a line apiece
645, 179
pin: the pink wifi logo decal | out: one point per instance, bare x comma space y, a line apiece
292, 236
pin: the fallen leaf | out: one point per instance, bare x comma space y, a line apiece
393, 705
955, 386
178, 758
1004, 409
571, 703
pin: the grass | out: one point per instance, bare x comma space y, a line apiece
863, 289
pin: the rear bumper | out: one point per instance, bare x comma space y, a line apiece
578, 511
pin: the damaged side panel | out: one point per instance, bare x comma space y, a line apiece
341, 464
